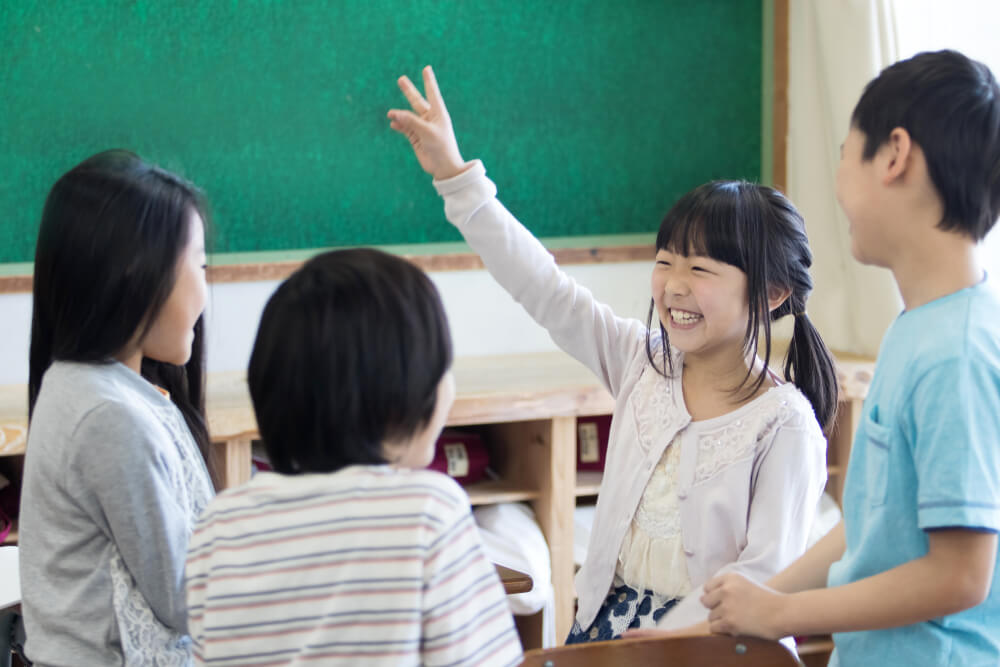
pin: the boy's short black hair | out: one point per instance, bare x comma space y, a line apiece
349, 354
950, 105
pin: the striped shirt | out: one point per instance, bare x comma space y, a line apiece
368, 565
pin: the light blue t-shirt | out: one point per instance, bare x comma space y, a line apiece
927, 455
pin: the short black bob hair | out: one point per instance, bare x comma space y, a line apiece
950, 106
349, 354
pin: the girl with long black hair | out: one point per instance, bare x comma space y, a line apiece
115, 469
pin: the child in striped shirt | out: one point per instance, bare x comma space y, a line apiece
348, 553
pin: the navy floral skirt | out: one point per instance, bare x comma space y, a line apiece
623, 609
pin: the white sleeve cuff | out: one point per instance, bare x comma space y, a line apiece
465, 193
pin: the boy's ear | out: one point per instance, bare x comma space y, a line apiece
899, 153
777, 296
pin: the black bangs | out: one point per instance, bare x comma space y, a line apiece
702, 223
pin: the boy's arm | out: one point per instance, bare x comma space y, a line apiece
955, 574
809, 571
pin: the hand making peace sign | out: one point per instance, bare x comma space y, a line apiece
428, 127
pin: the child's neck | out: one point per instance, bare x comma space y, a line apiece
713, 384
944, 263
133, 361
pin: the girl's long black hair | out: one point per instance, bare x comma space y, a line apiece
756, 229
112, 231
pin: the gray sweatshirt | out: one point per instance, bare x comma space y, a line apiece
113, 483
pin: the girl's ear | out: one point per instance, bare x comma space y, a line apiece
777, 296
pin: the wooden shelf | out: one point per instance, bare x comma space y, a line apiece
498, 491
12, 436
525, 406
588, 483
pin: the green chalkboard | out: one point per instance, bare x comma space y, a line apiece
591, 115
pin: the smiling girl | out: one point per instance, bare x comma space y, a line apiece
715, 462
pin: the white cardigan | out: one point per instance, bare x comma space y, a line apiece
749, 481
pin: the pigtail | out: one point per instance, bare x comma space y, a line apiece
809, 365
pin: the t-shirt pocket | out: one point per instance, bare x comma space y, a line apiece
876, 459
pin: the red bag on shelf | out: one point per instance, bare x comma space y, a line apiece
461, 455
592, 442
9, 497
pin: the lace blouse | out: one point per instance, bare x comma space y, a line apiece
652, 553
145, 639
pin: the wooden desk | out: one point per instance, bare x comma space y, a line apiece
514, 581
525, 407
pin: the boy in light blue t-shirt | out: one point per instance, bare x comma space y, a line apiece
910, 576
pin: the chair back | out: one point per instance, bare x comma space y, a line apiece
703, 651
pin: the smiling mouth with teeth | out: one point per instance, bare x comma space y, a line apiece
683, 316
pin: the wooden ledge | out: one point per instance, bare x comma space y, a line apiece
466, 261
493, 389
459, 261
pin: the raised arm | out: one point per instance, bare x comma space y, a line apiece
583, 327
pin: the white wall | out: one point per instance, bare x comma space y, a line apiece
484, 319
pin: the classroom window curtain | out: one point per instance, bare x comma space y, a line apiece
835, 48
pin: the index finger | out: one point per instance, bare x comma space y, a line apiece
413, 95
432, 90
